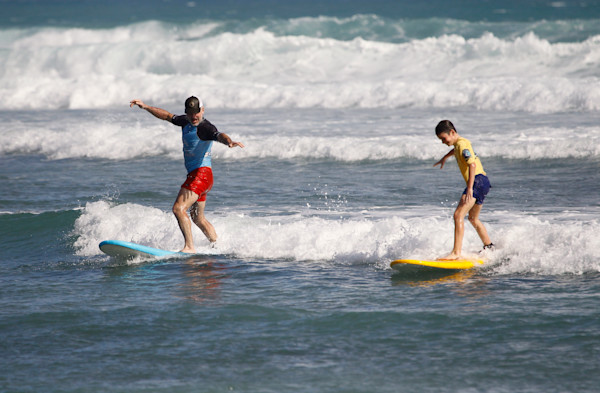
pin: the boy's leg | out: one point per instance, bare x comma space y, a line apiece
478, 225
459, 226
197, 213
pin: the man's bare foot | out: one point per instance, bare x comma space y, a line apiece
187, 250
450, 257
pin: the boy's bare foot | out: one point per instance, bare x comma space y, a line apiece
450, 257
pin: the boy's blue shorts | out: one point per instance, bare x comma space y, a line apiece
481, 187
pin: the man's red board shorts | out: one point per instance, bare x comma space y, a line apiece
199, 181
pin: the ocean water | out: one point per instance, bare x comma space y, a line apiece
336, 103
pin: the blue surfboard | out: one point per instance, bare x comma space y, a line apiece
128, 250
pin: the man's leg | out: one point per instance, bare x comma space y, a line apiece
185, 199
197, 213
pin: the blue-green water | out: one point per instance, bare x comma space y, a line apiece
336, 103
220, 323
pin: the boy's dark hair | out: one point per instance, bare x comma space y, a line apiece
444, 126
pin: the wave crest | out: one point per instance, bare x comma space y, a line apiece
354, 240
79, 68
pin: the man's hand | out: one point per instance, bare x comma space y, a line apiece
234, 144
139, 103
226, 140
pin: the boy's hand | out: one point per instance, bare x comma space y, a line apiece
443, 160
469, 195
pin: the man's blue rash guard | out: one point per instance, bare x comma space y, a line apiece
197, 141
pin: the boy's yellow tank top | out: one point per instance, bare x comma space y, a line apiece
464, 154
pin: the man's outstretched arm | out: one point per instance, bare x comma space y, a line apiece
226, 140
156, 112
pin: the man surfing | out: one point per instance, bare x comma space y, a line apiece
198, 135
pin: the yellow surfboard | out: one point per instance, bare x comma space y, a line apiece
460, 264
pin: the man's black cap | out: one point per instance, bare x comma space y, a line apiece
193, 105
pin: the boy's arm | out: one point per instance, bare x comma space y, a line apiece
156, 112
443, 160
471, 181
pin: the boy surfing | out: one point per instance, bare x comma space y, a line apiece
478, 185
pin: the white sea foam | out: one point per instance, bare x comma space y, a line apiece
128, 134
54, 68
110, 140
548, 246
525, 244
